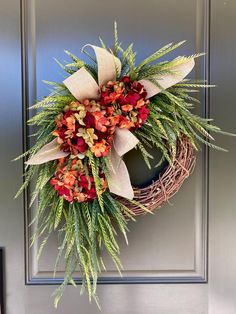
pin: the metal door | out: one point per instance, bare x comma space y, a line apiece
180, 261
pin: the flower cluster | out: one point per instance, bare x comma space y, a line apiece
73, 183
91, 124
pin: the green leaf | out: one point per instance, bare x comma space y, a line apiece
58, 213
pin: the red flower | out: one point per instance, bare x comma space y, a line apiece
110, 110
62, 189
138, 87
112, 98
84, 181
60, 134
123, 100
66, 193
81, 145
68, 113
125, 79
122, 104
91, 193
143, 114
132, 98
89, 120
72, 184
54, 181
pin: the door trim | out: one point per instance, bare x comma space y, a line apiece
197, 275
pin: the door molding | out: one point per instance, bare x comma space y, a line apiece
198, 274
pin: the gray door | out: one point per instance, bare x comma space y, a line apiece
180, 261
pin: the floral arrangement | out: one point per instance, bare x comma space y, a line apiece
102, 110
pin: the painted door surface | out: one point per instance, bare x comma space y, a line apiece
182, 259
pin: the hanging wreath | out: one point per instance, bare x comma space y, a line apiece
104, 109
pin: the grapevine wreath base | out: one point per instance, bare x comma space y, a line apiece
169, 182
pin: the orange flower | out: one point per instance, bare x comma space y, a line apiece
114, 120
90, 125
70, 178
70, 123
60, 162
91, 105
100, 149
113, 97
73, 106
127, 108
59, 140
104, 184
69, 133
140, 103
101, 122
126, 124
79, 197
119, 90
110, 110
72, 184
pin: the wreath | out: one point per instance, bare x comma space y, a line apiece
102, 110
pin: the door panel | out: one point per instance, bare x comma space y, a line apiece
177, 248
166, 260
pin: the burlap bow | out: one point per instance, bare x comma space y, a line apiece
83, 86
